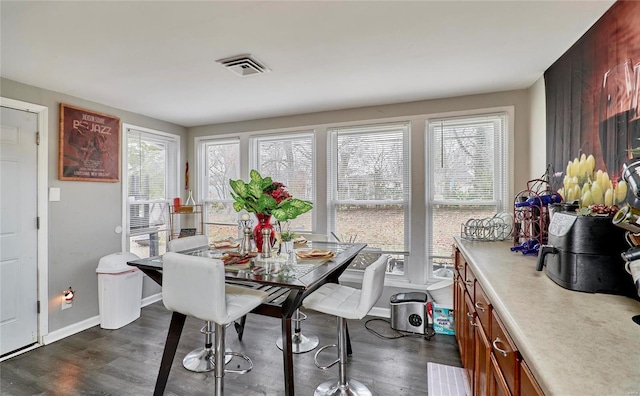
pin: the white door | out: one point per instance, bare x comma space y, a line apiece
18, 230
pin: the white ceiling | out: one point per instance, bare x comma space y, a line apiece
157, 58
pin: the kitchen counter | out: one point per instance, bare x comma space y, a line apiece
574, 343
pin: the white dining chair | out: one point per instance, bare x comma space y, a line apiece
199, 360
195, 286
347, 303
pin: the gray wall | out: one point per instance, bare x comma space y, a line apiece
82, 225
519, 99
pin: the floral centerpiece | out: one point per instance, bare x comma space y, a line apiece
266, 198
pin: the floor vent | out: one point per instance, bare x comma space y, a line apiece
244, 65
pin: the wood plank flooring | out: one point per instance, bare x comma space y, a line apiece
126, 361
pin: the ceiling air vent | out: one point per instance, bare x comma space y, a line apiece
244, 65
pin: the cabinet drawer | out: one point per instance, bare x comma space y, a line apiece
483, 309
459, 263
469, 281
505, 352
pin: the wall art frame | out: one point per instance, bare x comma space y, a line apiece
89, 145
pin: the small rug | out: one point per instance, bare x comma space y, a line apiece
446, 380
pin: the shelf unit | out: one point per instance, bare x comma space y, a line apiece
186, 217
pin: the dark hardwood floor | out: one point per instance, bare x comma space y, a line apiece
126, 361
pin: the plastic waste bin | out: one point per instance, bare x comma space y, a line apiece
119, 290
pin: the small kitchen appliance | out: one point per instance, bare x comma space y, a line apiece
583, 253
409, 312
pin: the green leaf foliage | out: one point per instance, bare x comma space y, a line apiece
253, 198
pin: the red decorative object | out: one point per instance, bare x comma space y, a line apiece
264, 221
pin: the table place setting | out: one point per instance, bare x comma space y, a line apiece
225, 244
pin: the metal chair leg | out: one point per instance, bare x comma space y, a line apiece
201, 360
343, 386
299, 342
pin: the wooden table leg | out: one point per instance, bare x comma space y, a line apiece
170, 347
287, 356
349, 350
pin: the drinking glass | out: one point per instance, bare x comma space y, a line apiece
614, 112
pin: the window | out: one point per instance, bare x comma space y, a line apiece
151, 181
289, 159
221, 163
369, 192
466, 179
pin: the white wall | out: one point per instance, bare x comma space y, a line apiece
537, 130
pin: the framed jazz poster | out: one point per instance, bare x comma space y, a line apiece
89, 145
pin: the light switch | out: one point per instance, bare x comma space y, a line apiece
54, 194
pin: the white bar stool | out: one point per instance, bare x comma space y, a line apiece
195, 286
301, 343
347, 303
199, 360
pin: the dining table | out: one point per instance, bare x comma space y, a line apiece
286, 291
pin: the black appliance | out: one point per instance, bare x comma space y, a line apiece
583, 253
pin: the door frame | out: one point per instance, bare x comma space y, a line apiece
42, 211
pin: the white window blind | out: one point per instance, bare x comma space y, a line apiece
466, 178
369, 191
289, 159
220, 160
466, 158
151, 179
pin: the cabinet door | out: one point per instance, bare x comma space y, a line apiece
469, 340
458, 312
483, 309
528, 384
482, 363
497, 384
469, 282
505, 352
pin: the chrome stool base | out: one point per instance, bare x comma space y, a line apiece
333, 388
202, 360
300, 343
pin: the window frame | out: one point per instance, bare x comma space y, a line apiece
254, 141
332, 183
172, 177
202, 175
503, 168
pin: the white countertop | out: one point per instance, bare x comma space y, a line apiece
574, 343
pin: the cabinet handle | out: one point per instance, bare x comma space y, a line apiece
472, 323
480, 307
469, 315
497, 348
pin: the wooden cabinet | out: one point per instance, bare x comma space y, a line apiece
482, 365
185, 221
505, 352
528, 384
497, 384
468, 329
489, 355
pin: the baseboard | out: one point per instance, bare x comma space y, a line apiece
71, 330
380, 312
151, 299
88, 323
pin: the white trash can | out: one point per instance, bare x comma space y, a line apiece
442, 293
119, 290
